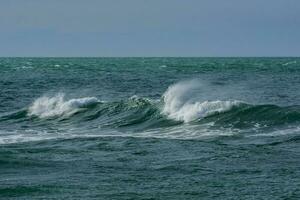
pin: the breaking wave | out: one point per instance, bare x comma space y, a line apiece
45, 107
179, 105
180, 113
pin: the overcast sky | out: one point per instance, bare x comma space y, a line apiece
149, 27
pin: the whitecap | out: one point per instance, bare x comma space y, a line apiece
179, 104
289, 63
45, 107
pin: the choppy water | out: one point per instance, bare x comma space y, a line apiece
149, 128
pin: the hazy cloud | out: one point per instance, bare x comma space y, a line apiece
149, 28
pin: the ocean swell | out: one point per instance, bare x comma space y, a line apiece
180, 113
179, 104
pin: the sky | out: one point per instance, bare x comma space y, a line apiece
117, 28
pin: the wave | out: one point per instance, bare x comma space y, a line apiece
177, 104
178, 107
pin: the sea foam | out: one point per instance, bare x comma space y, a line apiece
180, 105
45, 107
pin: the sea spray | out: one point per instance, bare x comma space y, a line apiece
179, 103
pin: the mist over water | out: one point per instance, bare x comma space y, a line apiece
134, 127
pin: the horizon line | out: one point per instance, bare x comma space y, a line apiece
150, 56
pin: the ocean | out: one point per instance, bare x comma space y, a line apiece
150, 128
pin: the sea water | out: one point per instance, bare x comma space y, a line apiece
149, 128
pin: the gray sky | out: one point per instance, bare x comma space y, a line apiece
149, 28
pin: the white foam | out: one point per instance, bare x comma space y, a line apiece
45, 107
185, 132
20, 136
24, 67
274, 133
163, 66
289, 63
180, 105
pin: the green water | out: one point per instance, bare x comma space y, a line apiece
149, 128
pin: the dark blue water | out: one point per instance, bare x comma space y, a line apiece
149, 128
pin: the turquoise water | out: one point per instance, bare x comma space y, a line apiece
149, 128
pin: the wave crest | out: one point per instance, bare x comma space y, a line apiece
179, 105
46, 107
